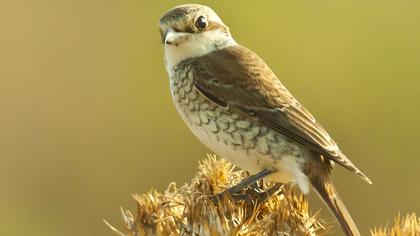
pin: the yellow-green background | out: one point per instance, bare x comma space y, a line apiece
86, 118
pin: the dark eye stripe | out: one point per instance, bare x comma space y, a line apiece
190, 29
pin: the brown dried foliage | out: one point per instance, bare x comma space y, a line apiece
191, 210
405, 226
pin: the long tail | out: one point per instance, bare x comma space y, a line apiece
329, 195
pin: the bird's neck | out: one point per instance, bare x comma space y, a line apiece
196, 46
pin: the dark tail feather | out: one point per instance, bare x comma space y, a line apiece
329, 195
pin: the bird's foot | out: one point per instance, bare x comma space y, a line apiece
261, 195
250, 189
226, 195
252, 194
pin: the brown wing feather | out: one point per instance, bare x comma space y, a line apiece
237, 78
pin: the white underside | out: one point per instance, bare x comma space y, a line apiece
288, 168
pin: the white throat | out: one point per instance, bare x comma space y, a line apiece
195, 45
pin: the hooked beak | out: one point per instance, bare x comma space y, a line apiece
174, 38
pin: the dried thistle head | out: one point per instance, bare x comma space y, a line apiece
405, 226
188, 210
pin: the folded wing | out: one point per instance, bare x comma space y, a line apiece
237, 79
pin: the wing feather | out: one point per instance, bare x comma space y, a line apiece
237, 79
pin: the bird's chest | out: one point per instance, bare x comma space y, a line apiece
248, 144
213, 125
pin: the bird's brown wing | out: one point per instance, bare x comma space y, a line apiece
236, 78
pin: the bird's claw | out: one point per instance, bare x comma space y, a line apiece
252, 194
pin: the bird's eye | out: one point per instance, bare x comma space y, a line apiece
201, 22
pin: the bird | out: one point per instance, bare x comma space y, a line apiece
237, 107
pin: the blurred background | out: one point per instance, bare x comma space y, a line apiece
86, 117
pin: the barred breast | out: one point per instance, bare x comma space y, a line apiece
247, 144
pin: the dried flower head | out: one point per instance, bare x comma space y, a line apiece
191, 209
405, 226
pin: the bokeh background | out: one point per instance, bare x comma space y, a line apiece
86, 117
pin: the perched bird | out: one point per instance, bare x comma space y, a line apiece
236, 106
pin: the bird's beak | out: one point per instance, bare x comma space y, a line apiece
174, 38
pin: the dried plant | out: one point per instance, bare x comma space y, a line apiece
192, 209
406, 226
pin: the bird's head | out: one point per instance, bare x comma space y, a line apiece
190, 31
